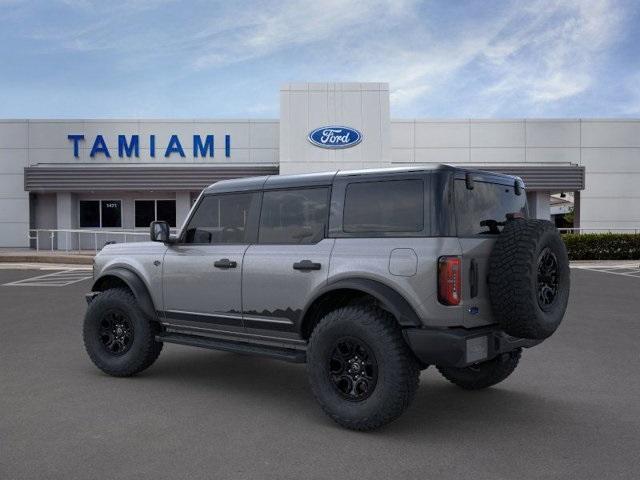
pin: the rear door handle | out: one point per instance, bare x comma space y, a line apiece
225, 263
306, 265
473, 278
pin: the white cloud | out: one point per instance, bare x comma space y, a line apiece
546, 52
288, 24
533, 53
556, 52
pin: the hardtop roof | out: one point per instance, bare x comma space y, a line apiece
327, 178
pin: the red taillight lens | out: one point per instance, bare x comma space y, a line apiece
449, 281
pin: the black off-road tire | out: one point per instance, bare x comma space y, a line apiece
398, 371
516, 281
143, 349
485, 374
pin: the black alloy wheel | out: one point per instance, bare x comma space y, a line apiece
353, 369
116, 333
547, 278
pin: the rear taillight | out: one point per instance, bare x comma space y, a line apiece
449, 280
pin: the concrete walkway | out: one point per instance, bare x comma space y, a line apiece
29, 255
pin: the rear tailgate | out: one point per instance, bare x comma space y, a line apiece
475, 290
481, 210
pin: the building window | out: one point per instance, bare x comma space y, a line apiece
166, 210
146, 211
100, 214
90, 214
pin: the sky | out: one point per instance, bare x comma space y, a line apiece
228, 59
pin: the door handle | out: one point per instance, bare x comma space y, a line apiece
473, 278
306, 265
225, 263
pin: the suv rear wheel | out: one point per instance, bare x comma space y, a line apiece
118, 337
485, 374
360, 368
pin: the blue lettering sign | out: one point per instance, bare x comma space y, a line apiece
174, 146
128, 149
152, 146
129, 145
99, 146
75, 139
199, 147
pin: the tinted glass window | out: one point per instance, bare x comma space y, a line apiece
484, 209
167, 211
89, 213
221, 219
294, 216
144, 212
111, 213
389, 206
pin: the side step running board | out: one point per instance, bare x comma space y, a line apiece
286, 354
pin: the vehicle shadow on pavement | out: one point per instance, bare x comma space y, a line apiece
439, 408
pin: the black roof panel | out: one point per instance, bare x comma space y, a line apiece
326, 178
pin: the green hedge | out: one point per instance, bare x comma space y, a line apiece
603, 246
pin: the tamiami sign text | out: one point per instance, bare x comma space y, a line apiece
201, 145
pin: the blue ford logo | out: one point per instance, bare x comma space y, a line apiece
335, 137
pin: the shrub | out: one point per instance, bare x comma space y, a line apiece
603, 246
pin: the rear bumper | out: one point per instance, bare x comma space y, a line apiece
461, 347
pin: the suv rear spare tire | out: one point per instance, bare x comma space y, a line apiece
529, 278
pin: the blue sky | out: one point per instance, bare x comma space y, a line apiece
208, 59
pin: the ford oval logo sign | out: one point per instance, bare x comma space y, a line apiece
335, 137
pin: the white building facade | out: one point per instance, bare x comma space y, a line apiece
118, 175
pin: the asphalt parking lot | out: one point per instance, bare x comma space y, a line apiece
571, 410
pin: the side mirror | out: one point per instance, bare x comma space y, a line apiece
159, 231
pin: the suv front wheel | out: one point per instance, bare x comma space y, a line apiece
118, 337
360, 368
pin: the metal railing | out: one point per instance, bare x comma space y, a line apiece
77, 240
635, 230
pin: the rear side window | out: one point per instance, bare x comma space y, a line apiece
385, 206
483, 210
296, 216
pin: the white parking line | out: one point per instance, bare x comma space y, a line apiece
56, 279
622, 270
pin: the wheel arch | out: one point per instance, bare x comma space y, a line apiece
123, 277
344, 291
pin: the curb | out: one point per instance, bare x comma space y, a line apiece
65, 259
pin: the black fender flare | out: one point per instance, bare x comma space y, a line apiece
135, 284
389, 298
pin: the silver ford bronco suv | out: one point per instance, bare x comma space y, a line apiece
367, 276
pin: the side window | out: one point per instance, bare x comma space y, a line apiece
223, 219
384, 206
484, 209
294, 216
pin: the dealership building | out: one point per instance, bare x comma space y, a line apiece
118, 175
